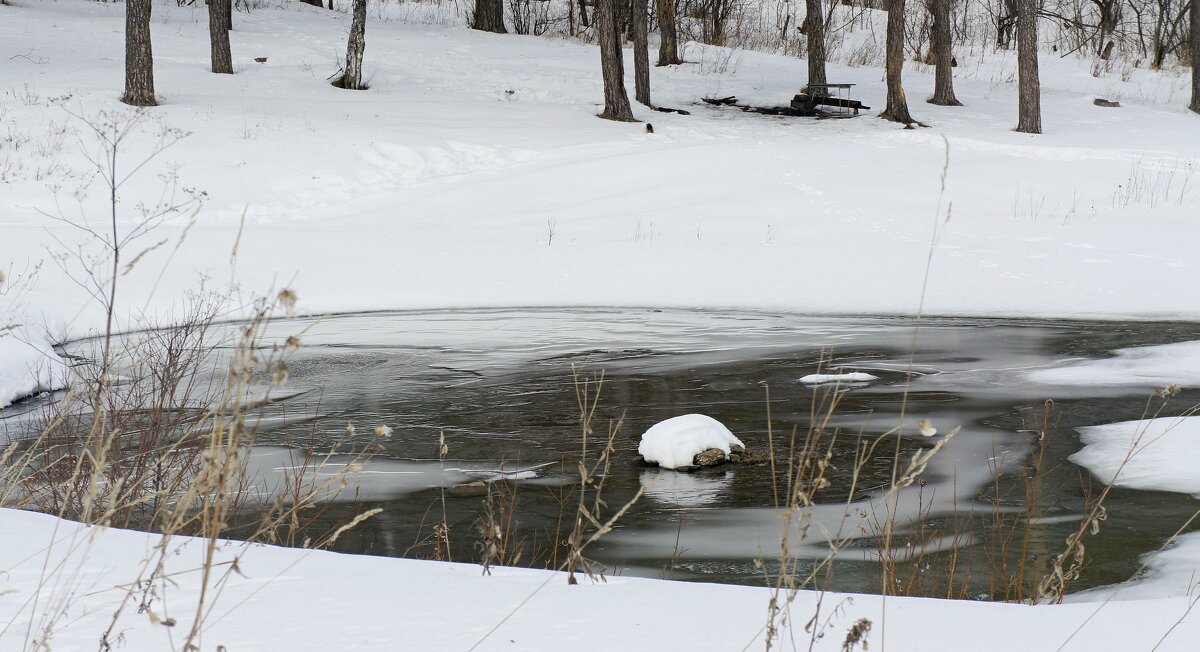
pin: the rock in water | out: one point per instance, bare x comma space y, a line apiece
676, 442
710, 457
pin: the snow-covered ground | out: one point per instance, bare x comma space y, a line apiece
287, 599
474, 173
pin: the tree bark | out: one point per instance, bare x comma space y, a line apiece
218, 30
612, 64
1194, 46
897, 105
139, 56
1029, 88
489, 16
943, 79
668, 45
814, 34
641, 51
355, 47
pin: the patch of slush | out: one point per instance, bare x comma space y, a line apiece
674, 442
1162, 453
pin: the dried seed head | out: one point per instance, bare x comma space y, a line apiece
383, 431
349, 429
280, 376
293, 343
926, 428
287, 299
1173, 389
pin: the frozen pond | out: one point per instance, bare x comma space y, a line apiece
498, 384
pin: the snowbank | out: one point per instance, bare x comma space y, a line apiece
310, 601
850, 377
674, 442
1165, 453
28, 365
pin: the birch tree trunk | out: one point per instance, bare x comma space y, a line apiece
355, 47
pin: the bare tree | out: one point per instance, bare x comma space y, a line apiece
1029, 89
897, 105
1194, 46
668, 44
641, 51
139, 57
352, 79
219, 24
489, 16
943, 80
612, 64
814, 34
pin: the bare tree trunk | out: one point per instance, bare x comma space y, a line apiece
355, 46
139, 57
489, 16
1029, 88
897, 105
641, 51
943, 79
668, 45
612, 64
219, 20
814, 34
1194, 46
583, 14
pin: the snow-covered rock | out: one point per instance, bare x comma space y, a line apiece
675, 442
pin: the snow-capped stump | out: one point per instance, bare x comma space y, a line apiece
690, 441
842, 378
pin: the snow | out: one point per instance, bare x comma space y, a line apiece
1148, 367
28, 365
674, 442
1162, 453
440, 188
849, 377
291, 599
